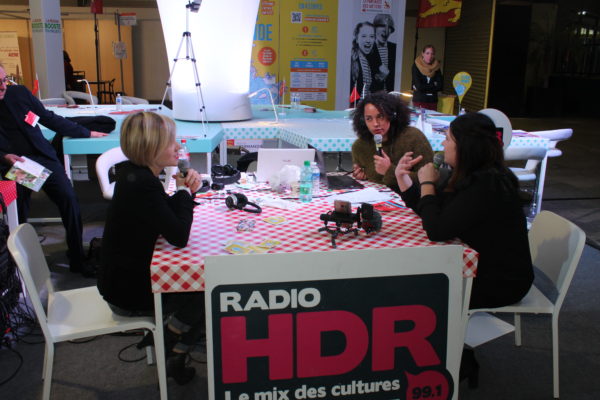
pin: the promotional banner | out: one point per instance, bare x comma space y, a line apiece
318, 326
308, 50
264, 67
436, 13
462, 83
10, 56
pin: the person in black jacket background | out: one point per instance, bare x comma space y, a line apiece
427, 79
19, 138
478, 204
139, 212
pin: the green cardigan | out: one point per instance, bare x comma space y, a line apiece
410, 139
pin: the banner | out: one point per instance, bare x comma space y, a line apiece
10, 56
96, 7
264, 67
325, 326
438, 13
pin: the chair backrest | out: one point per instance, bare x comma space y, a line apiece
556, 245
524, 153
54, 101
555, 134
134, 100
103, 165
71, 95
25, 248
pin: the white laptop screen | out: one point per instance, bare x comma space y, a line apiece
270, 161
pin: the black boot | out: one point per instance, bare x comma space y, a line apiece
469, 368
177, 370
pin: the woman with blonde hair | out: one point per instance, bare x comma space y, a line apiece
427, 79
139, 212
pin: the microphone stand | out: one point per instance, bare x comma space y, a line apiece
272, 102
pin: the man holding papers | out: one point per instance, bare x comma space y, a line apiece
20, 135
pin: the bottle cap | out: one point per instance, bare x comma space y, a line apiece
183, 141
307, 163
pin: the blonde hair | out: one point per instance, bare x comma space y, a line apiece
144, 135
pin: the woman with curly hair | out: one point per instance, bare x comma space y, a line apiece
385, 115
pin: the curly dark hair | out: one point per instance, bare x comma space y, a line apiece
391, 106
477, 148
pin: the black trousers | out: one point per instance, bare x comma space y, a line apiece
60, 190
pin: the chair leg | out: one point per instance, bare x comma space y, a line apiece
48, 364
517, 329
555, 376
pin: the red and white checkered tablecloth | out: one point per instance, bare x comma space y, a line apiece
180, 269
9, 191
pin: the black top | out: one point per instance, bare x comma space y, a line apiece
139, 212
19, 101
18, 143
425, 89
486, 214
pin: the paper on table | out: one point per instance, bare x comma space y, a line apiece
368, 195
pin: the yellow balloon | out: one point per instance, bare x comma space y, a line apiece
461, 82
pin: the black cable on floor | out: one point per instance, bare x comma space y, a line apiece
16, 371
129, 361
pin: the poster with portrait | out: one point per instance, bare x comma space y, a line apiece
373, 49
323, 325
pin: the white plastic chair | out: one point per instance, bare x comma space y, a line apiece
109, 159
71, 314
71, 95
556, 246
54, 101
134, 100
537, 173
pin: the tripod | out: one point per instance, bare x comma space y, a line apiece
190, 56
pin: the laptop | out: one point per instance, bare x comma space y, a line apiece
270, 161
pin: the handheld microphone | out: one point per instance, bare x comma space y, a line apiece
438, 159
378, 140
183, 164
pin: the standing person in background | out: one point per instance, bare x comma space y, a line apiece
139, 212
384, 27
386, 115
364, 61
70, 82
427, 79
19, 138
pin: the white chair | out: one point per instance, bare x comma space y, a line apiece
555, 136
556, 246
134, 100
537, 173
108, 160
71, 95
54, 101
71, 314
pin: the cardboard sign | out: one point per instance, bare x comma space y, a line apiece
462, 82
335, 325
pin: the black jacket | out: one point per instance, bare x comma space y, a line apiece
20, 101
487, 215
425, 91
139, 212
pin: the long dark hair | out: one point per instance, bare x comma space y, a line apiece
391, 106
478, 149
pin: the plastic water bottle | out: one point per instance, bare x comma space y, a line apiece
306, 183
462, 111
183, 155
119, 102
316, 177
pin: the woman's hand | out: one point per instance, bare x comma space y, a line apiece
358, 172
382, 163
192, 180
404, 168
428, 173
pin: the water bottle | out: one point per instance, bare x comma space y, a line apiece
183, 156
306, 183
462, 111
316, 177
119, 102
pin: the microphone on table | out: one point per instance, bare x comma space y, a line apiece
183, 164
378, 140
438, 159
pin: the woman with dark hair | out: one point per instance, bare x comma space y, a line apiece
385, 115
427, 79
478, 204
364, 62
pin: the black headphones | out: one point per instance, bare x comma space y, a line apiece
225, 174
205, 186
238, 201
